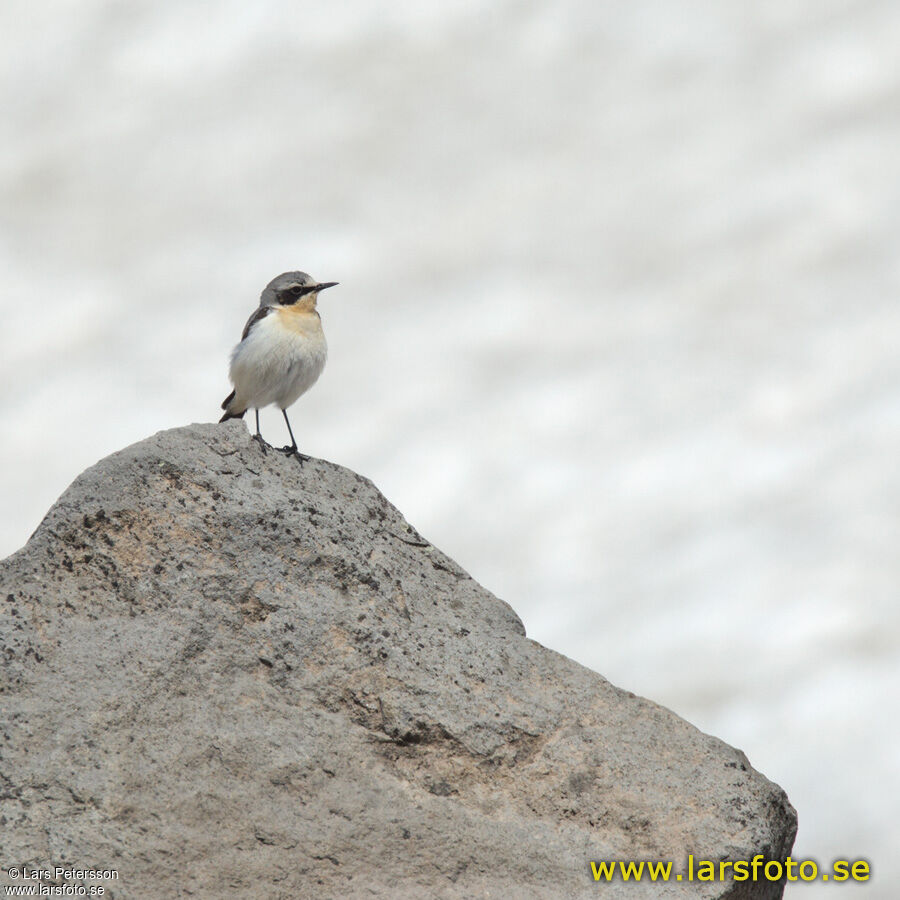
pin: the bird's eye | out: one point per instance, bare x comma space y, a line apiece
296, 291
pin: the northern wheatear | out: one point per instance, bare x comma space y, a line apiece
282, 350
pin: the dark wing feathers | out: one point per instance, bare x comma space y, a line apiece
258, 314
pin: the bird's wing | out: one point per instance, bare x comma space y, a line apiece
258, 314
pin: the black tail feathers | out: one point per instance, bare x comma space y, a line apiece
230, 415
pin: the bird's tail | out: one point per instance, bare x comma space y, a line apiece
231, 413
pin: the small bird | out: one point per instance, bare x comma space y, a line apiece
282, 351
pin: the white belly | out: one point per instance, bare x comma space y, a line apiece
274, 364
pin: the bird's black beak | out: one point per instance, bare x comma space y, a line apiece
326, 284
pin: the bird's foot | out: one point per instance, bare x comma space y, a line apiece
263, 444
293, 451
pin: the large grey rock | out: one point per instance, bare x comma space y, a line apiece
227, 675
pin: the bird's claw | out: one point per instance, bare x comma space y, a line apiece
293, 451
263, 444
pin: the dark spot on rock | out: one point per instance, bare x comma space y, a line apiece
579, 782
440, 789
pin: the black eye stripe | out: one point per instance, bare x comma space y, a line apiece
290, 295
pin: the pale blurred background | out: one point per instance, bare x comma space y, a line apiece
617, 326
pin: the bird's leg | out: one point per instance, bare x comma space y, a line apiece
258, 436
293, 448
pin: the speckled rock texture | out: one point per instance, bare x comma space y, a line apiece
225, 674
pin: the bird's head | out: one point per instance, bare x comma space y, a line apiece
293, 288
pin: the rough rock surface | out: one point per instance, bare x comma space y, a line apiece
227, 675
